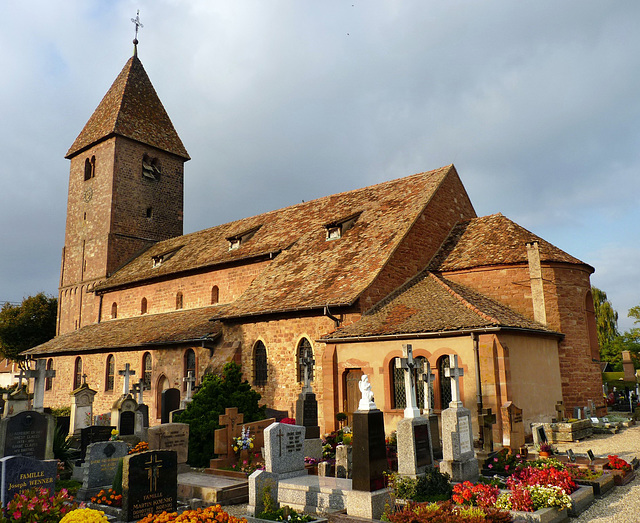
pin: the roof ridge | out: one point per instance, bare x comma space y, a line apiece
463, 300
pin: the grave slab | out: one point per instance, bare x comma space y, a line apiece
21, 473
170, 436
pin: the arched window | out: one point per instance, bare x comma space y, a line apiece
189, 365
178, 300
146, 370
109, 372
77, 373
114, 310
259, 364
143, 306
445, 383
89, 168
214, 294
48, 382
305, 351
399, 395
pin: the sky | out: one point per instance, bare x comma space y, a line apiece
537, 104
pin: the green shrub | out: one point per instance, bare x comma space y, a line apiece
59, 412
431, 486
216, 394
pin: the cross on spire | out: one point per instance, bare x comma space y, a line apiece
455, 373
127, 372
408, 364
138, 25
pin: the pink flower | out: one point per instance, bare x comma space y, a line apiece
244, 462
17, 514
490, 466
506, 467
495, 460
31, 506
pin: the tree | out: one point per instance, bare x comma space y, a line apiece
606, 324
216, 394
26, 325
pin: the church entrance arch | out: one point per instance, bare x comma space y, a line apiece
163, 384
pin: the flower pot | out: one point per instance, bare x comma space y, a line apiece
543, 454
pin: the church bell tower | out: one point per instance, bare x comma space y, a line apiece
125, 191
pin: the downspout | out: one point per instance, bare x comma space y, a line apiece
476, 354
328, 314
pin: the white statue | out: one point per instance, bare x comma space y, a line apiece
366, 402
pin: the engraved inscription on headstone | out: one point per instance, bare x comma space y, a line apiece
21, 473
463, 432
26, 435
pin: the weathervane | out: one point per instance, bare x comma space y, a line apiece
138, 24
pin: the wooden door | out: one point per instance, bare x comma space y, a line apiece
352, 393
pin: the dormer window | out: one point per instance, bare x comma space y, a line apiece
150, 168
337, 229
159, 259
240, 239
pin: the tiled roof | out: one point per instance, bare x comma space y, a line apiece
492, 240
149, 329
310, 271
131, 108
431, 304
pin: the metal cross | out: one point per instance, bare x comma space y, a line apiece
307, 362
126, 373
455, 373
138, 24
155, 464
408, 364
427, 378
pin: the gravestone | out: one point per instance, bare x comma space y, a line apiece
513, 432
559, 411
628, 367
307, 405
459, 459
149, 484
190, 380
15, 402
487, 420
539, 434
414, 450
123, 415
27, 433
284, 448
39, 375
22, 473
170, 436
427, 378
126, 373
81, 408
93, 434
100, 466
344, 461
169, 401
223, 438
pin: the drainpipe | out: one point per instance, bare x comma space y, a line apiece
328, 314
476, 354
537, 288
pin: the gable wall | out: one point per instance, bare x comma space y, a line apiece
449, 205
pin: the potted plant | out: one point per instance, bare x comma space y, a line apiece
545, 450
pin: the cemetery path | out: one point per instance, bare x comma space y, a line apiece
622, 505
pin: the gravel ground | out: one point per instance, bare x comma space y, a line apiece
622, 505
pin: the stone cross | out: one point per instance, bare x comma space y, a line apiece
233, 421
126, 373
84, 379
306, 362
408, 364
139, 388
190, 379
455, 373
20, 377
40, 376
487, 419
560, 411
427, 378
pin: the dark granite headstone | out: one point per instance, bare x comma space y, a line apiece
369, 451
143, 411
93, 434
279, 415
421, 436
21, 473
127, 423
170, 401
25, 434
149, 484
307, 414
591, 455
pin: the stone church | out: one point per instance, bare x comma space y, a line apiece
351, 277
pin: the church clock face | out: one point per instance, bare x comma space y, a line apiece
88, 194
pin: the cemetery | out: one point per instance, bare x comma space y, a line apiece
280, 467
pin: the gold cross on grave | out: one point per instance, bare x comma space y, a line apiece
153, 469
233, 421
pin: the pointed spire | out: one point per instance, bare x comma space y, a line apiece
131, 108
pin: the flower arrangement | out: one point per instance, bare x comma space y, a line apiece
110, 497
481, 495
616, 463
243, 442
583, 474
505, 462
529, 498
38, 505
114, 434
288, 421
546, 447
285, 514
248, 466
213, 513
549, 477
446, 511
85, 515
140, 447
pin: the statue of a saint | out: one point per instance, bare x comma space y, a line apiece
366, 402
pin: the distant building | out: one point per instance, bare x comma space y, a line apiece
353, 276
